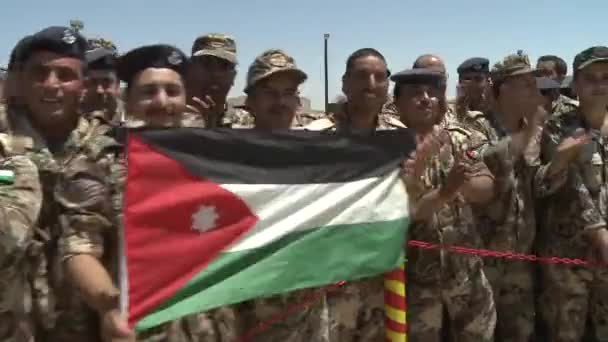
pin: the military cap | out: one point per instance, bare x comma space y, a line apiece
17, 52
475, 64
151, 56
544, 83
269, 63
217, 45
512, 65
589, 56
57, 39
418, 76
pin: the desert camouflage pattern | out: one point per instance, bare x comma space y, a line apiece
572, 204
59, 312
439, 281
269, 63
20, 202
508, 223
563, 104
511, 65
217, 45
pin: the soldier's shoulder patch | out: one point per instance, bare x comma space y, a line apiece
7, 176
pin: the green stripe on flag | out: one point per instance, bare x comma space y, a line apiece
303, 259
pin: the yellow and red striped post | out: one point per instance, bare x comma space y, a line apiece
395, 306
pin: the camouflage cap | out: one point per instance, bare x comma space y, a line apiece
589, 56
217, 45
512, 65
269, 63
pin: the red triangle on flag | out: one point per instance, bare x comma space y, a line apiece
175, 225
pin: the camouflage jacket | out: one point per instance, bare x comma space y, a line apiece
20, 202
508, 222
564, 104
573, 201
454, 223
59, 311
339, 121
241, 118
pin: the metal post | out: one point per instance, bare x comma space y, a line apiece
326, 36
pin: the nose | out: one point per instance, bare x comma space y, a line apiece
99, 89
51, 81
161, 99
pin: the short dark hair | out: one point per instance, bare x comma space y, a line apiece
560, 65
361, 53
396, 90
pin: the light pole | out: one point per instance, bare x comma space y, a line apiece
326, 36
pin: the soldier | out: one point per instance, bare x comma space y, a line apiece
212, 74
272, 92
50, 74
573, 193
156, 97
549, 89
101, 99
441, 213
365, 98
474, 82
507, 222
355, 312
20, 202
556, 69
552, 67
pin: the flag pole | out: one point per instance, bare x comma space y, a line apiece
395, 308
326, 38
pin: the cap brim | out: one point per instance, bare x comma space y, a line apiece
301, 75
592, 61
230, 57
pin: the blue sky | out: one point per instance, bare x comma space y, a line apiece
400, 29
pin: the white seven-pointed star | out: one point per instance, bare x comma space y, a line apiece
204, 218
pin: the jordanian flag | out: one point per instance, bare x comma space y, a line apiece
216, 217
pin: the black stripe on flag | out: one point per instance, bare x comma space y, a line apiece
248, 156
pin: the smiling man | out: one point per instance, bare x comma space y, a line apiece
50, 75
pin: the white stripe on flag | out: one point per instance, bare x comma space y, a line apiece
286, 208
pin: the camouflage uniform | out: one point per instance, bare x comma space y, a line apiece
20, 202
59, 311
574, 203
564, 104
508, 222
93, 198
115, 115
440, 281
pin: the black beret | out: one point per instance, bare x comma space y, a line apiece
57, 39
544, 83
475, 64
151, 56
100, 59
17, 52
418, 76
